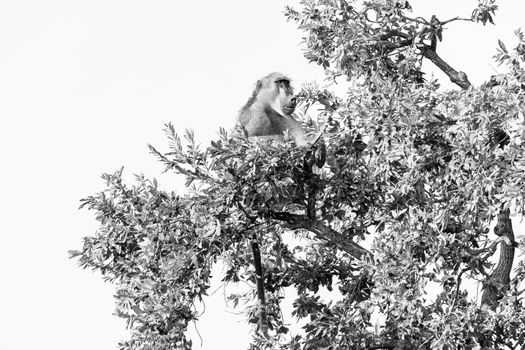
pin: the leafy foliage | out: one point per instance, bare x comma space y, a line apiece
419, 172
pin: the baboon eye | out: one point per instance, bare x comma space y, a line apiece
285, 84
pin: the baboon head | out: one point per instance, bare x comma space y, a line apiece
269, 111
276, 91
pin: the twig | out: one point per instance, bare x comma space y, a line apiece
456, 19
197, 330
458, 282
419, 20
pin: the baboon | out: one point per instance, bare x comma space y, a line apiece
269, 111
268, 114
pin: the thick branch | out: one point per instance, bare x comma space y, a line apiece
322, 231
396, 45
310, 208
259, 281
378, 346
384, 40
458, 78
499, 280
393, 32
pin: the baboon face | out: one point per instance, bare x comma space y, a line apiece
286, 97
276, 89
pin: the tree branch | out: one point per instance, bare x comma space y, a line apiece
397, 45
419, 20
259, 281
295, 221
383, 345
392, 33
310, 208
456, 19
458, 78
498, 282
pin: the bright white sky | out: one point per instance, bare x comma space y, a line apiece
86, 85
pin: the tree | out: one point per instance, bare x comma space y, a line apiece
419, 172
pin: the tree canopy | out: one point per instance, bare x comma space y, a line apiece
414, 179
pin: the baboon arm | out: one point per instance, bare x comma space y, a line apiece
296, 129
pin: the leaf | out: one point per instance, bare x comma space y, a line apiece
74, 253
282, 330
107, 261
148, 284
502, 46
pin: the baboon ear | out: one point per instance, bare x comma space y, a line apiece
258, 87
